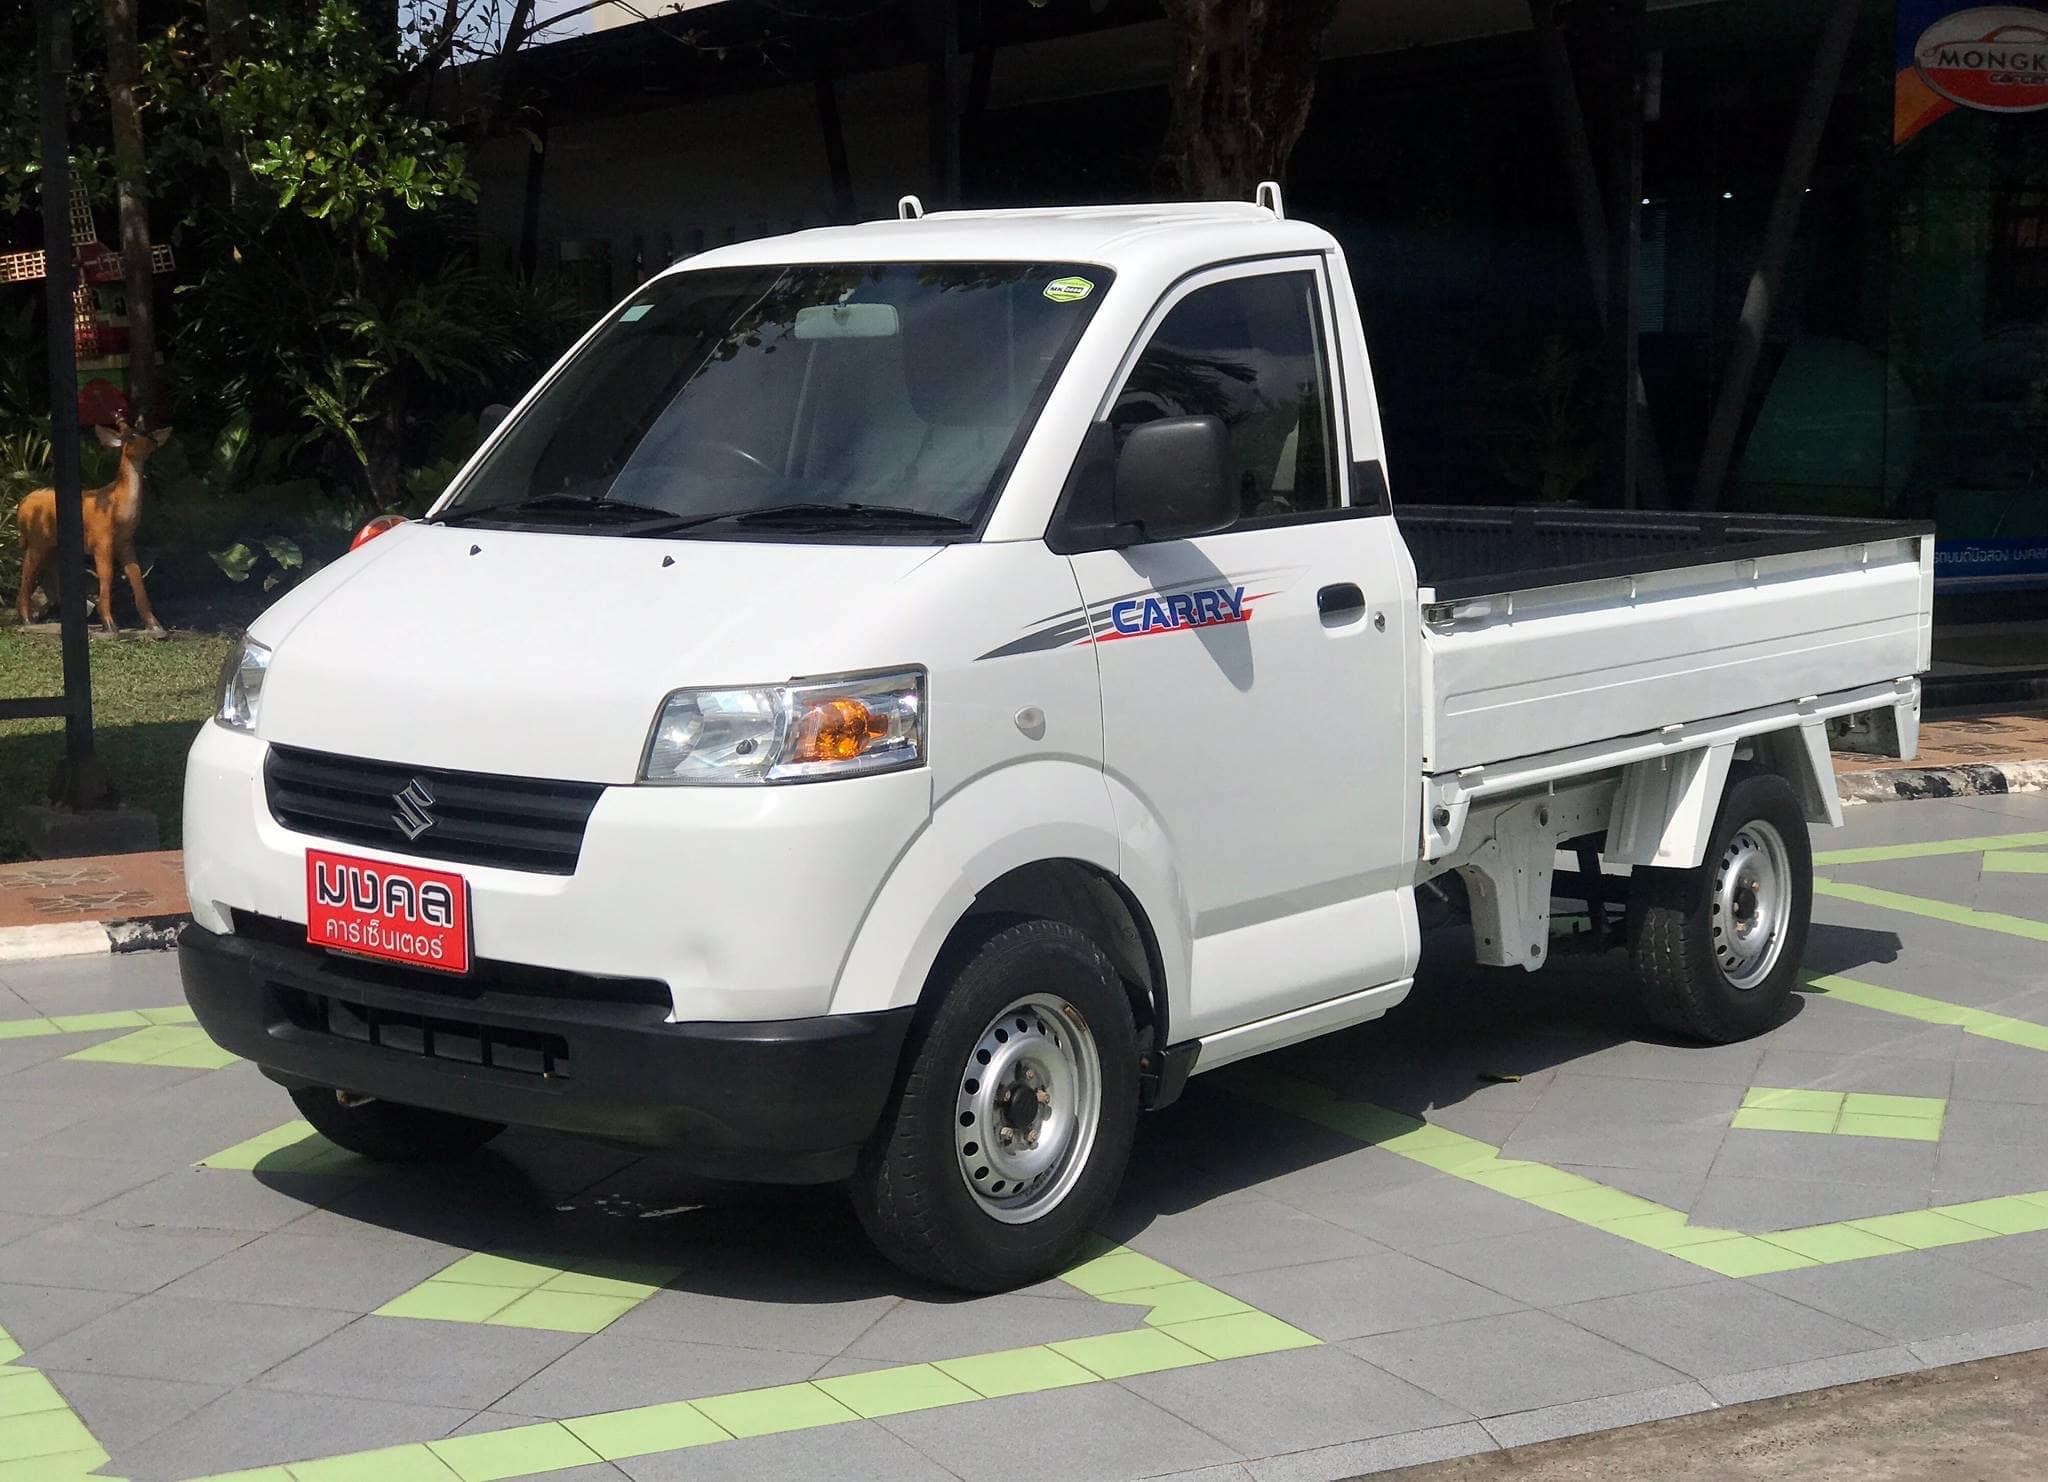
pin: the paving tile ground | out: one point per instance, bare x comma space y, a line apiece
199, 1320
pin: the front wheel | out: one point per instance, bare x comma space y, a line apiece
1011, 1124
389, 1131
1716, 949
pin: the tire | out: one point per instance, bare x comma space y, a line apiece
390, 1132
1700, 970
1036, 1000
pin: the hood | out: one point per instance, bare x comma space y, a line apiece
545, 655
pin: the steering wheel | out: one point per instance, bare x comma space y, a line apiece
734, 450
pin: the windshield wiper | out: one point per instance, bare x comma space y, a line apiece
877, 514
803, 513
647, 519
558, 504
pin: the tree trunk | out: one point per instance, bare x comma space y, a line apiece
131, 179
227, 29
501, 98
1760, 303
1244, 75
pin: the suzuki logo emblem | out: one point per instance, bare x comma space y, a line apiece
412, 816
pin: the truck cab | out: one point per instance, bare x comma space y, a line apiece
895, 700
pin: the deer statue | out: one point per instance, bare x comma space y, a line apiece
111, 512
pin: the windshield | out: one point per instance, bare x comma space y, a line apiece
892, 396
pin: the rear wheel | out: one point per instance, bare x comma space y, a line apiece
1716, 949
1011, 1124
389, 1131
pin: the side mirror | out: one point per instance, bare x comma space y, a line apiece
1173, 478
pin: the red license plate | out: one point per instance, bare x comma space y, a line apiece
378, 909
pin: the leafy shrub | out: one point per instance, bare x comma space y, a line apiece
24, 465
229, 506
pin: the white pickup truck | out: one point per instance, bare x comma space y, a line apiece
897, 699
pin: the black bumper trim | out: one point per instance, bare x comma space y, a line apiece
776, 1101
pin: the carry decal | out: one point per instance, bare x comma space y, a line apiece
1136, 617
1214, 601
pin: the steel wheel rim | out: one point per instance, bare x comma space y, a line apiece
1029, 1101
1752, 907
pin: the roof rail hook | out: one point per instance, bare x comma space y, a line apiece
909, 208
1268, 195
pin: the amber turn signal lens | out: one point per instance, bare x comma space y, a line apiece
837, 730
375, 528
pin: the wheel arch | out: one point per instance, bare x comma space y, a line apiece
1801, 756
1665, 809
975, 860
1094, 901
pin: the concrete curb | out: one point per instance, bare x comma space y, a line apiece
89, 938
1909, 784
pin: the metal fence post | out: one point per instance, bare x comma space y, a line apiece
79, 783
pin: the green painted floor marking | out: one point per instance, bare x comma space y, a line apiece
1846, 1113
1187, 1324
1640, 1221
1881, 852
39, 1025
2002, 862
1980, 1022
183, 1045
559, 1294
1893, 900
41, 1437
293, 1148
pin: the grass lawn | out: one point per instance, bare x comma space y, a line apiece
148, 698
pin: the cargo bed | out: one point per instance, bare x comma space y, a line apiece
1547, 629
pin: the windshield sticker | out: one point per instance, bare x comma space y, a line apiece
633, 313
1068, 290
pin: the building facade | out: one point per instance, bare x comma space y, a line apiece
1903, 363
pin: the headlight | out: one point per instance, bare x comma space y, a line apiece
788, 733
241, 685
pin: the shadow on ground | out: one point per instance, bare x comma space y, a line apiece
569, 1202
145, 760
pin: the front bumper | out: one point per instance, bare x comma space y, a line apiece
743, 900
781, 1101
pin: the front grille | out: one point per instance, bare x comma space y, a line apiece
513, 823
430, 1036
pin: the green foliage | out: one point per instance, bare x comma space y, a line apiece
24, 457
329, 333
454, 439
229, 506
1543, 423
313, 102
363, 369
312, 108
239, 561
22, 373
332, 299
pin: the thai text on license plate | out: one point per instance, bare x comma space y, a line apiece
374, 908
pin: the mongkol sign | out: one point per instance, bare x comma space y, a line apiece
1993, 58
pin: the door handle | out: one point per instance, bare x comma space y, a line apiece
1341, 600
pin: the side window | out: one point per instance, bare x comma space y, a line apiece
1250, 351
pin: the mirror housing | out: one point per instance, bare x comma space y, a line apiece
1173, 478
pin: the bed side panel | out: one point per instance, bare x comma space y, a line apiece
1535, 671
